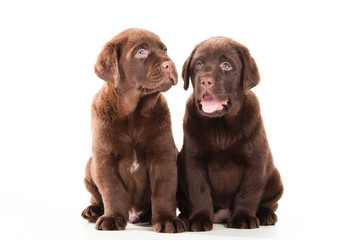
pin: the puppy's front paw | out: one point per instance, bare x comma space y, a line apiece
244, 221
200, 222
111, 223
92, 213
169, 225
266, 216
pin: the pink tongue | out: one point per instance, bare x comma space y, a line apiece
210, 104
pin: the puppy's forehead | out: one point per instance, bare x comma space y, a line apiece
215, 46
140, 34
135, 35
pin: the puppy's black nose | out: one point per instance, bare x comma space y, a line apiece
207, 82
168, 66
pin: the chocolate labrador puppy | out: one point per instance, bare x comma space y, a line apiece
226, 170
132, 172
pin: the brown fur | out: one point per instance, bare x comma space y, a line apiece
226, 170
132, 171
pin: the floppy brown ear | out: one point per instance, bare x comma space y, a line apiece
185, 74
107, 65
250, 76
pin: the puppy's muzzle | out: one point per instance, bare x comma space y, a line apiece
207, 82
168, 68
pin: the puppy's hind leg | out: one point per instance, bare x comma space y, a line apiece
96, 209
268, 205
181, 198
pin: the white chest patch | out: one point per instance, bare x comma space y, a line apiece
135, 165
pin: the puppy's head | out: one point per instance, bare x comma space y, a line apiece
136, 58
222, 71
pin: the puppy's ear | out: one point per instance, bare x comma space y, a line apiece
250, 76
185, 74
107, 65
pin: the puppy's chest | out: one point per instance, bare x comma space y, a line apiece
133, 167
137, 129
220, 138
133, 145
225, 173
133, 171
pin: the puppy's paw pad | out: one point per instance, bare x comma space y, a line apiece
92, 213
266, 216
169, 225
111, 223
200, 222
244, 221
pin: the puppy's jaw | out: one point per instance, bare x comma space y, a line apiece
174, 77
162, 88
159, 82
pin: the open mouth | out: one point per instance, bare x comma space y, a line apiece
210, 104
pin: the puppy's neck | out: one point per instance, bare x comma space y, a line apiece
236, 109
128, 100
123, 99
148, 103
248, 112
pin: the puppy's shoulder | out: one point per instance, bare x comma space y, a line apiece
251, 106
250, 116
153, 109
105, 103
161, 102
190, 109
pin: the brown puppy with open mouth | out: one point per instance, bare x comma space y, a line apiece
226, 170
132, 173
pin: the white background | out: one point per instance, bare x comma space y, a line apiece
308, 56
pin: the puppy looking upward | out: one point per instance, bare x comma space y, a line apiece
132, 174
226, 170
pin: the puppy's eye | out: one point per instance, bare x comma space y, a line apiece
142, 53
198, 64
226, 66
165, 49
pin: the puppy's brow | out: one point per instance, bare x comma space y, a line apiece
161, 46
196, 55
142, 45
231, 57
